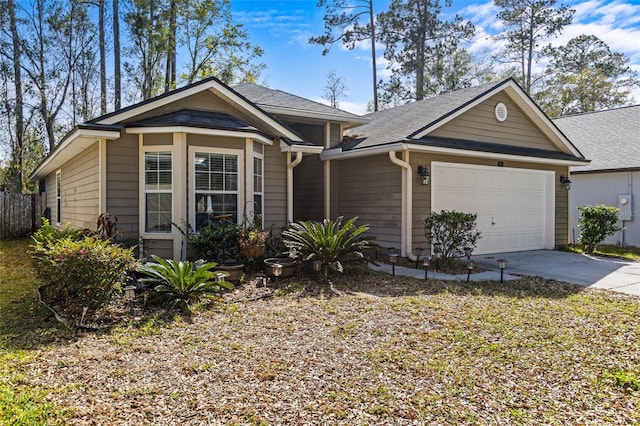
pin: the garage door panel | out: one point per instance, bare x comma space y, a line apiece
514, 206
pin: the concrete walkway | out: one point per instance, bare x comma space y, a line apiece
589, 271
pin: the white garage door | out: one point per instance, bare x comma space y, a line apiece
515, 207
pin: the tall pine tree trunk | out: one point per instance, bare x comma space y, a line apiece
18, 149
103, 60
117, 90
373, 56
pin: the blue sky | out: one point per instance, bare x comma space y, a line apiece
283, 28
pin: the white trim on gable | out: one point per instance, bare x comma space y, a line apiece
224, 92
522, 100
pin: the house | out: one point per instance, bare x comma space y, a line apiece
611, 138
199, 151
209, 149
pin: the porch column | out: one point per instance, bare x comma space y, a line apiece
179, 193
327, 173
248, 167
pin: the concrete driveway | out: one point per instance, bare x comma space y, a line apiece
589, 271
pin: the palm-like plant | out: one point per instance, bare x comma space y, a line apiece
331, 242
184, 282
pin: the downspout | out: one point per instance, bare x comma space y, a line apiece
290, 166
407, 203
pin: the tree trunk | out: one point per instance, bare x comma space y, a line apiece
116, 57
373, 56
170, 72
18, 149
103, 60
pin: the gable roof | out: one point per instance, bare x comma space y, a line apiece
412, 123
286, 104
611, 138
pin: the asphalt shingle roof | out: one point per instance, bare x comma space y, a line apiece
610, 138
269, 98
196, 118
400, 123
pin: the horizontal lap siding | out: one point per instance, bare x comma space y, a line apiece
479, 124
308, 188
371, 188
275, 187
80, 191
122, 182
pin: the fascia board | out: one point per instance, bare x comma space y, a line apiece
305, 149
200, 131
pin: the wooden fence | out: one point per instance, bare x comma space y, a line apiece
19, 214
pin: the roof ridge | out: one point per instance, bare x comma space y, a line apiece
578, 114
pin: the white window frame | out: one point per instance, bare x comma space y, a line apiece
143, 191
257, 156
192, 178
59, 197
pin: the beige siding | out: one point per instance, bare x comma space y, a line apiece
50, 186
201, 101
308, 189
122, 181
275, 187
422, 194
162, 248
479, 124
79, 190
371, 188
216, 142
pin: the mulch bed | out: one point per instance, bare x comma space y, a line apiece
364, 349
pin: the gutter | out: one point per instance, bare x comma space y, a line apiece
407, 204
290, 166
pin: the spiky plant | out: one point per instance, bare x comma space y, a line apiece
331, 242
183, 283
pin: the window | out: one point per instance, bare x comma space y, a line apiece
258, 187
58, 197
158, 191
216, 186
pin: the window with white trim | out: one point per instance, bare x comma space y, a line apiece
216, 186
58, 197
258, 187
158, 191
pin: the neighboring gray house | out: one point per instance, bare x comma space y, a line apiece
611, 139
208, 149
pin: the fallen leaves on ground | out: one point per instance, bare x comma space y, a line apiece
367, 349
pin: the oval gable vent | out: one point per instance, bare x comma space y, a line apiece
501, 111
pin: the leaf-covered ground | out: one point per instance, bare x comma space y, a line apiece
368, 350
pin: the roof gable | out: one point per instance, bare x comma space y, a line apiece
414, 121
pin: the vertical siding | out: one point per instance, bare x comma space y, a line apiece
308, 189
275, 187
80, 190
371, 188
122, 181
480, 124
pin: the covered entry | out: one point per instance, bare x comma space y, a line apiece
515, 207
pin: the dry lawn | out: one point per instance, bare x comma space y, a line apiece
368, 350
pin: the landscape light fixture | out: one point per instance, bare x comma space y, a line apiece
129, 293
277, 270
470, 266
317, 265
425, 263
418, 251
393, 259
424, 174
502, 264
219, 277
566, 182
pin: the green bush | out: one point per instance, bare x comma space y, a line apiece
216, 242
80, 273
453, 230
47, 232
330, 242
182, 283
596, 223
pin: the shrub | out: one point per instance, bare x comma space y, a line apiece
453, 231
216, 242
183, 282
47, 232
79, 273
330, 242
596, 223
